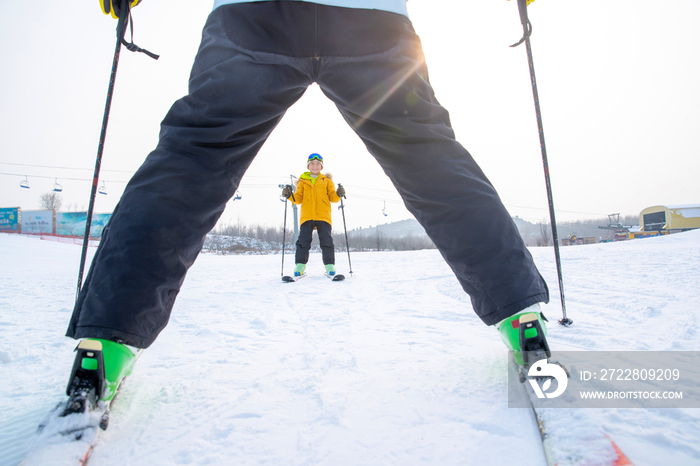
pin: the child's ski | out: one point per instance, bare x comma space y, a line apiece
292, 278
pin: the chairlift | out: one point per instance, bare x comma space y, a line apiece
24, 183
237, 196
57, 188
384, 210
102, 189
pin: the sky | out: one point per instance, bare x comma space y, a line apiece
617, 83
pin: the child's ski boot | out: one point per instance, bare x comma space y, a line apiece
299, 270
330, 269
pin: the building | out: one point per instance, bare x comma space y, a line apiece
574, 240
670, 219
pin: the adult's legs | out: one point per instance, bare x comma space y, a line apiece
387, 99
208, 139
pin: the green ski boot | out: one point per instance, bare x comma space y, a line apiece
98, 369
330, 269
525, 334
299, 270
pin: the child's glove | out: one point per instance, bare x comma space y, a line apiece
340, 191
287, 191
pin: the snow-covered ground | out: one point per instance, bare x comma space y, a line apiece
390, 367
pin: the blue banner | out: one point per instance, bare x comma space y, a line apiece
9, 219
36, 222
73, 224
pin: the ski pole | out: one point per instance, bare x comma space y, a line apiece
284, 235
122, 22
284, 232
527, 32
98, 163
347, 244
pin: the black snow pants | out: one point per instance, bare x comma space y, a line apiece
325, 238
255, 60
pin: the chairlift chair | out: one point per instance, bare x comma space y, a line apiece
24, 183
237, 196
57, 188
102, 189
384, 210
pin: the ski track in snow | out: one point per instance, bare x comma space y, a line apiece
390, 366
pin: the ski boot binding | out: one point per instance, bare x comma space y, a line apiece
525, 335
98, 370
87, 380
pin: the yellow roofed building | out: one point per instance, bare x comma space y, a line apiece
670, 218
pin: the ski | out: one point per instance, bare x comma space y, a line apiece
69, 433
292, 279
570, 437
67, 439
336, 278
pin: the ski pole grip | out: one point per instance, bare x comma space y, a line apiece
525, 21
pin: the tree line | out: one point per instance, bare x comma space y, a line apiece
239, 237
541, 234
236, 238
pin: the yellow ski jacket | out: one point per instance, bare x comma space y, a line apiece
315, 197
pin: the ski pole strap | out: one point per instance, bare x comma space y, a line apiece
124, 20
525, 21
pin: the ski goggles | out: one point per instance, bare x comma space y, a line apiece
315, 157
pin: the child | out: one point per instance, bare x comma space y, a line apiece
315, 192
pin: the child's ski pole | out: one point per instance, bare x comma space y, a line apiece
347, 244
284, 234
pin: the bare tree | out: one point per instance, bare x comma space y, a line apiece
545, 238
379, 239
50, 201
